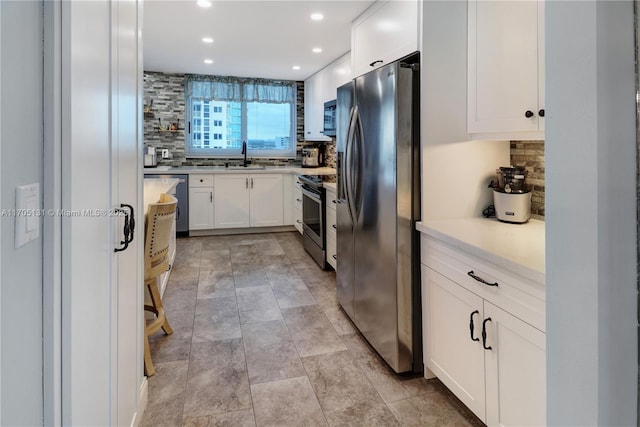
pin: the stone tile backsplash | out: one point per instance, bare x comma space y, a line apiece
164, 95
530, 154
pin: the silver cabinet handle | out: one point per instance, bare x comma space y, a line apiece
334, 227
246, 183
298, 221
211, 196
298, 200
334, 257
251, 182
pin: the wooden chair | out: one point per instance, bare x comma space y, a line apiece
157, 233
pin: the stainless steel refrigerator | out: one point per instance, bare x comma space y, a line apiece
378, 281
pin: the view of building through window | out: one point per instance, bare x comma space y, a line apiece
218, 125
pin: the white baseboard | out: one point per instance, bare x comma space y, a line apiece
142, 403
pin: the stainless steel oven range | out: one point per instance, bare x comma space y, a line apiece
313, 217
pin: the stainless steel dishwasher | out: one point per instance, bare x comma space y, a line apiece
182, 194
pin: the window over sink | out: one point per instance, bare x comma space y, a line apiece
222, 112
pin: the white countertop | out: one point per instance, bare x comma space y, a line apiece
153, 187
515, 247
164, 170
331, 185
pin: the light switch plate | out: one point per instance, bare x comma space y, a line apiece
28, 213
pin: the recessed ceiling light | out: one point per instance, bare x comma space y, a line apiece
204, 3
208, 61
296, 67
207, 40
317, 16
316, 50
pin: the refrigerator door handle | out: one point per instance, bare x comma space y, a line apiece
359, 164
348, 164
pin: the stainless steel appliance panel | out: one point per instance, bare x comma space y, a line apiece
344, 234
378, 204
376, 298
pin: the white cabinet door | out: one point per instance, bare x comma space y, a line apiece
297, 204
341, 72
452, 351
506, 68
331, 227
386, 32
231, 205
200, 208
314, 107
266, 204
516, 370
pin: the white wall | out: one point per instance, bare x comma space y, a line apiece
21, 163
591, 214
455, 170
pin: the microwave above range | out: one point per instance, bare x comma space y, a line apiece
329, 118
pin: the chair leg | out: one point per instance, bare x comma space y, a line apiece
149, 370
157, 303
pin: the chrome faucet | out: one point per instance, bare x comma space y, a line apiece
244, 152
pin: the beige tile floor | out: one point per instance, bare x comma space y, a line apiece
259, 340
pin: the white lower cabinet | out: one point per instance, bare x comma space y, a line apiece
201, 202
266, 204
242, 201
297, 203
331, 227
515, 371
450, 353
491, 359
232, 201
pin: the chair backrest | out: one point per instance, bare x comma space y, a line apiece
157, 233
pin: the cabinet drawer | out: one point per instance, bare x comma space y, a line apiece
297, 198
331, 252
515, 294
198, 180
297, 218
330, 201
331, 223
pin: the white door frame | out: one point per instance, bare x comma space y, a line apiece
52, 227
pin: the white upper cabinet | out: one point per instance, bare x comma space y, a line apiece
320, 88
341, 69
314, 92
385, 32
506, 69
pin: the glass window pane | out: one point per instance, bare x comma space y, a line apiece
268, 126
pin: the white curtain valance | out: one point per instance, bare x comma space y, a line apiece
237, 89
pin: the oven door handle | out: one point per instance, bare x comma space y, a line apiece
311, 194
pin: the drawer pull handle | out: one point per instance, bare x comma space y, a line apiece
484, 333
334, 201
334, 257
334, 226
471, 326
298, 221
298, 200
480, 279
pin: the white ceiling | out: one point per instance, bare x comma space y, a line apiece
251, 38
